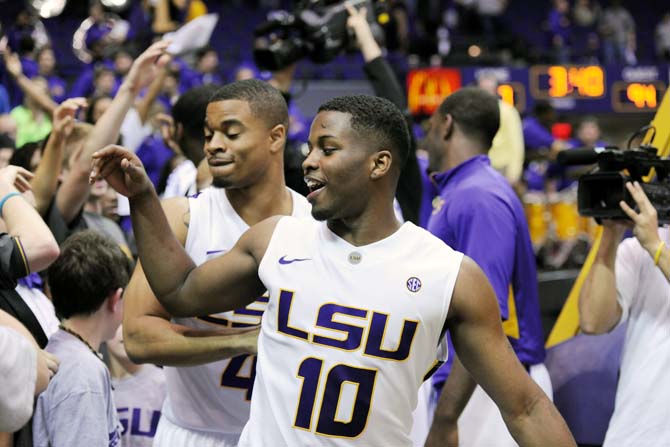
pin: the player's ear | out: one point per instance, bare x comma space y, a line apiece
114, 303
448, 126
381, 164
277, 138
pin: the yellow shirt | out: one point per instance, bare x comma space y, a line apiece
507, 150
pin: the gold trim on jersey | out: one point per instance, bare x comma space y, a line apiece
288, 318
381, 342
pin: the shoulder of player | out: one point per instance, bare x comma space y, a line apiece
470, 288
257, 238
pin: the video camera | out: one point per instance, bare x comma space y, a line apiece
599, 192
317, 29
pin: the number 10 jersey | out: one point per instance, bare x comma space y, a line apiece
348, 336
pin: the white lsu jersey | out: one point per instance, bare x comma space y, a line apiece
349, 335
215, 397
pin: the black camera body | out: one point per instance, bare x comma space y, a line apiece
599, 193
317, 29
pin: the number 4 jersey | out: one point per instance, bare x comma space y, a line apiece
348, 336
215, 397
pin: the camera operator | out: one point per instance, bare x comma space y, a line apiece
628, 283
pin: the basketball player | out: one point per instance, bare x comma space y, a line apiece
209, 388
358, 303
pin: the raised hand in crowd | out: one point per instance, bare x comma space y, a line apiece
147, 66
358, 22
17, 177
48, 171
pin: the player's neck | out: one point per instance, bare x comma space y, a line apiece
369, 227
122, 367
266, 198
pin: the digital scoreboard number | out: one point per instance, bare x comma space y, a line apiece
559, 81
636, 96
514, 94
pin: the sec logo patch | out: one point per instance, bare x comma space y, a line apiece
413, 284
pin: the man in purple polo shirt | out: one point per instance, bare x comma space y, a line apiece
478, 213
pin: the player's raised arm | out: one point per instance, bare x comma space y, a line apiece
225, 283
474, 323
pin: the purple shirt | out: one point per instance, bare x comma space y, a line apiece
479, 214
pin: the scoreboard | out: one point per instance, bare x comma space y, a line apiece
573, 88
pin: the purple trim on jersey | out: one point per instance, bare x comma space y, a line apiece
479, 214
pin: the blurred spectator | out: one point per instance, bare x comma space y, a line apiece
168, 15
616, 28
27, 28
25, 371
541, 145
32, 118
87, 282
397, 28
588, 135
46, 63
206, 70
560, 30
6, 149
586, 13
183, 134
97, 105
95, 220
663, 38
507, 150
139, 392
104, 81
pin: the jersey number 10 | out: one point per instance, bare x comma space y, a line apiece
328, 423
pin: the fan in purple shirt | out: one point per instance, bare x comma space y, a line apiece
477, 212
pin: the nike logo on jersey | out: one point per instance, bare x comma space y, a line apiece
285, 261
213, 252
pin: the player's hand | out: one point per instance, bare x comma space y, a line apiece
147, 66
64, 115
17, 177
122, 169
645, 222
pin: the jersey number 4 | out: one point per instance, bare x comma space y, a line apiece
234, 376
330, 422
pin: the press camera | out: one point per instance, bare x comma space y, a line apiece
317, 29
600, 192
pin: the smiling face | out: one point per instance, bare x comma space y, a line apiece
237, 144
336, 168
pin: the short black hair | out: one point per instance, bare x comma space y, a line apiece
90, 267
191, 109
265, 101
23, 155
377, 119
476, 112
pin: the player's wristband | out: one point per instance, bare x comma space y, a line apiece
657, 255
6, 198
